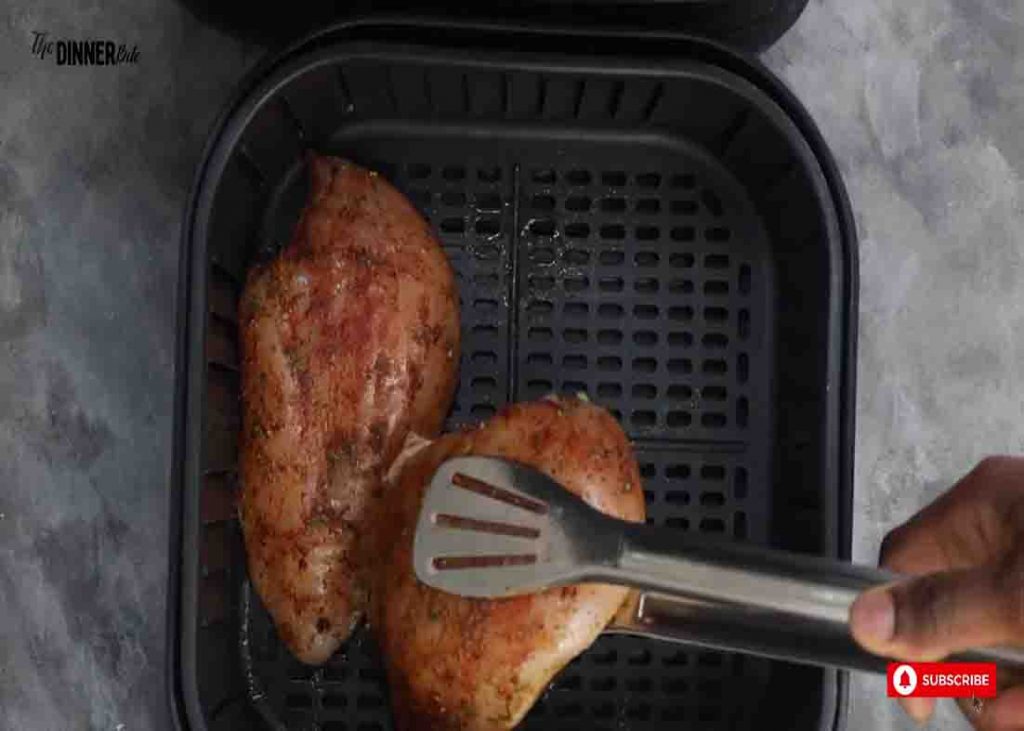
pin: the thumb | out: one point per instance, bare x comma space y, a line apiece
932, 616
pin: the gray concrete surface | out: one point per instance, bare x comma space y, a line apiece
923, 106
95, 163
921, 102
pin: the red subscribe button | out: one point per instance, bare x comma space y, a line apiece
941, 680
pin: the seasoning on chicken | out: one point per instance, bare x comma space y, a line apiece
350, 342
479, 665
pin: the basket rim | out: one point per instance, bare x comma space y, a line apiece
673, 49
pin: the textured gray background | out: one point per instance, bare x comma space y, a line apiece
921, 102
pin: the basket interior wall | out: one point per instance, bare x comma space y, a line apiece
652, 240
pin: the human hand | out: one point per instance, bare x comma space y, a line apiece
965, 556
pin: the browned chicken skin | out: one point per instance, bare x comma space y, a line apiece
350, 343
479, 665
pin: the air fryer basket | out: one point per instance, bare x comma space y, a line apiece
664, 235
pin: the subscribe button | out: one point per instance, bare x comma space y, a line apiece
941, 680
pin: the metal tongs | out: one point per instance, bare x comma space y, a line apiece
491, 527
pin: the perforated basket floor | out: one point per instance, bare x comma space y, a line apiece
642, 282
595, 253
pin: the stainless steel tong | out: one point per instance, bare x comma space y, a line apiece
491, 527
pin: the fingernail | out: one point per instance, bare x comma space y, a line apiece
873, 616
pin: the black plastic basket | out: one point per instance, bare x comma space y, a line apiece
653, 221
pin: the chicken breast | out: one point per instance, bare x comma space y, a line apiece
350, 342
479, 665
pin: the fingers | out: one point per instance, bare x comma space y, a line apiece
975, 521
929, 617
971, 588
1004, 712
